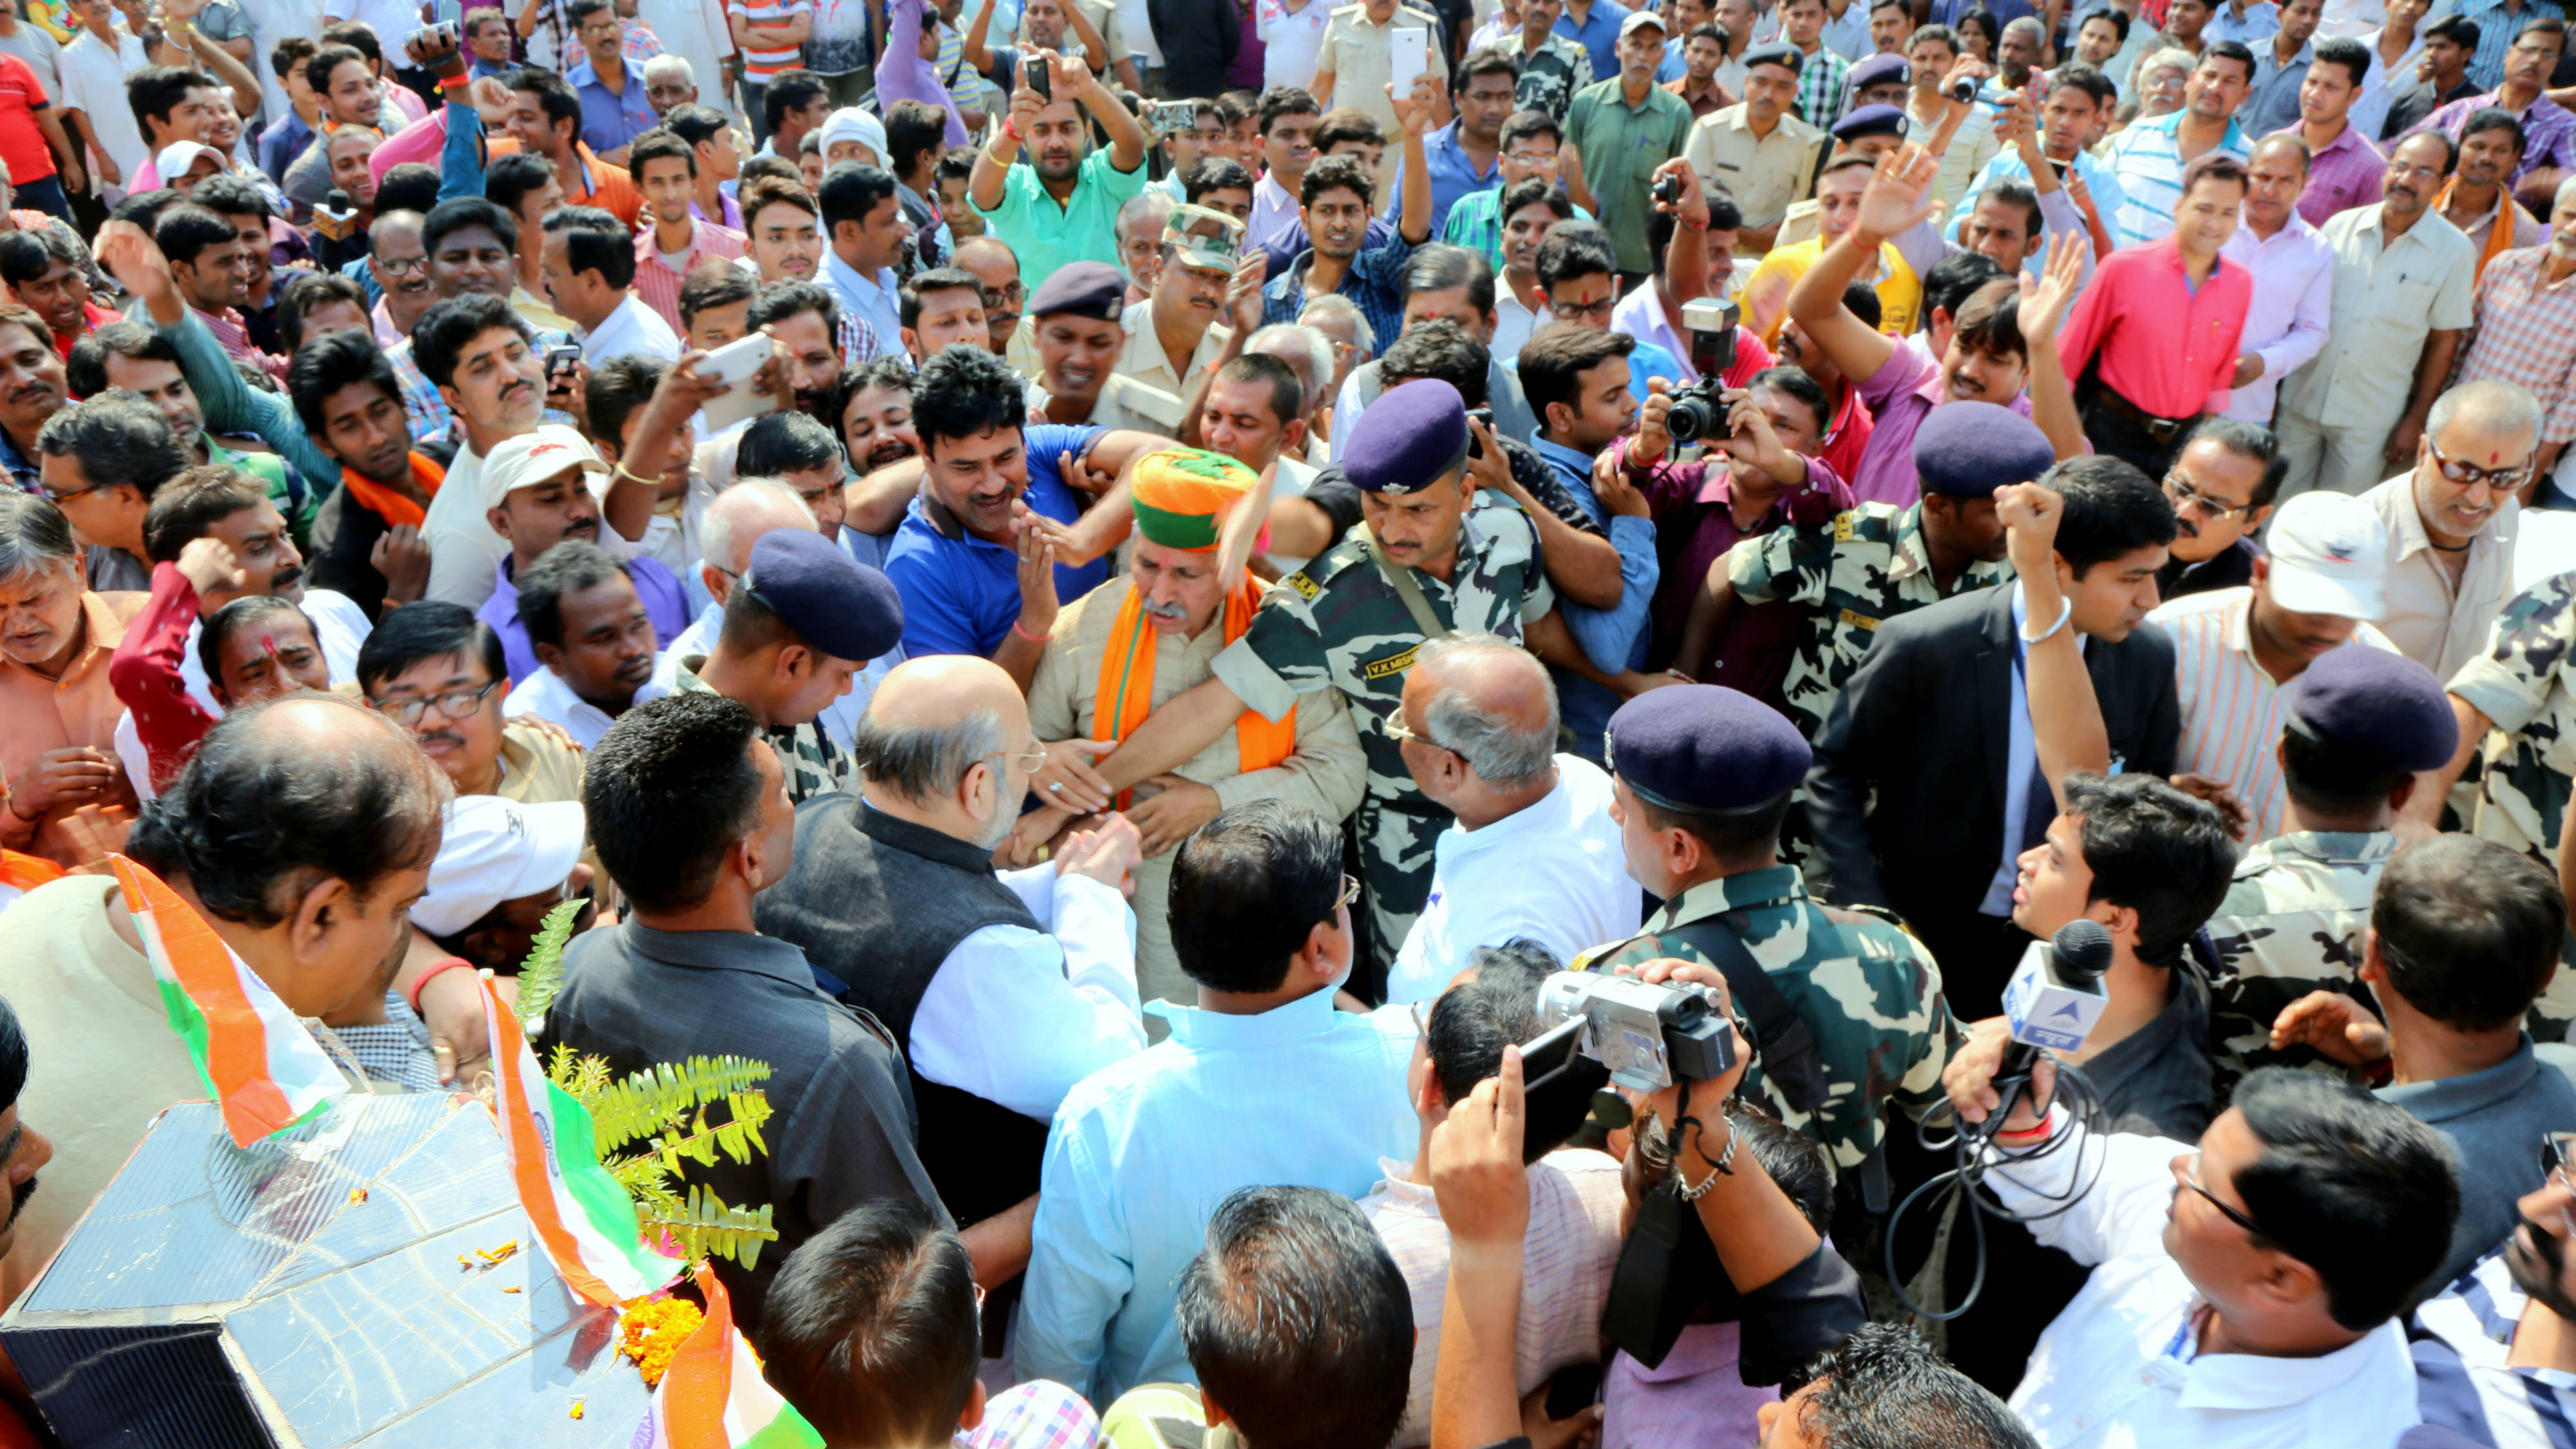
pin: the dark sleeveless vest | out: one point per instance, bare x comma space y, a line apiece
877, 904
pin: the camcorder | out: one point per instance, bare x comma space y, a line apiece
1699, 410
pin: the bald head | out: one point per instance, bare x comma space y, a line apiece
1490, 701
741, 514
944, 690
932, 721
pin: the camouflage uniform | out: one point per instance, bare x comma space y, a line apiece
1859, 570
2524, 686
1869, 992
1338, 622
2291, 924
814, 765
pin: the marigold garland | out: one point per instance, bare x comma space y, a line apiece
650, 1333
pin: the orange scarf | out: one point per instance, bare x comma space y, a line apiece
1127, 684
392, 506
2499, 235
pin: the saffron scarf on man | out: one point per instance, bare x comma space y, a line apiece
390, 504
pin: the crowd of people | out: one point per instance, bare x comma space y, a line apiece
1139, 596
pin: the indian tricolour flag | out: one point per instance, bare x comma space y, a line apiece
582, 1215
713, 1397
20, 874
259, 1064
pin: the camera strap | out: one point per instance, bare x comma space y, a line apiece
1400, 578
1790, 1060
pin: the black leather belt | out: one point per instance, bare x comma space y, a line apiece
2161, 430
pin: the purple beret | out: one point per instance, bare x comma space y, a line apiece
1087, 289
2382, 703
1878, 70
1970, 449
1871, 121
1705, 747
836, 603
1407, 439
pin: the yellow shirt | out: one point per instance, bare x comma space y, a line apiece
1766, 294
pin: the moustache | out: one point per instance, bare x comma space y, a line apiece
286, 578
441, 736
1174, 612
885, 451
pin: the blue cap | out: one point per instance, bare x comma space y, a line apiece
1095, 290
1776, 53
1705, 747
1871, 121
1878, 70
2373, 700
1408, 439
836, 603
1970, 449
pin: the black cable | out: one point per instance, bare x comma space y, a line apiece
1969, 1143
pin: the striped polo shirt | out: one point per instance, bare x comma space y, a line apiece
760, 67
2147, 157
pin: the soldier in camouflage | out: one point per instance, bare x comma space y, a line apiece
1861, 568
2357, 731
1846, 1006
1436, 556
801, 625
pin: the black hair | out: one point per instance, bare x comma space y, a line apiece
712, 285
1723, 215
2119, 21
786, 441
1284, 101
2458, 29
870, 1328
790, 90
1730, 835
1575, 250
429, 629
1794, 382
2366, 1192
85, 371
2351, 54
2251, 441
1440, 266
965, 392
289, 53
1213, 173
1330, 173
330, 57
957, 163
185, 232
1552, 362
913, 129
2450, 148
567, 568
581, 10
850, 191
595, 241
331, 362
2112, 510
1537, 191
1981, 19
694, 124
118, 439
2494, 118
144, 208
156, 90
1470, 1025
2334, 777
660, 144
358, 36
1794, 1161
24, 258
2468, 930
458, 213
232, 618
411, 186
1287, 395
1248, 887
781, 300
308, 294
1521, 125
229, 194
2545, 26
937, 279
668, 791
2229, 50
1437, 348
511, 179
1886, 1386
451, 325
2158, 851
1296, 1319
2013, 191
617, 387
189, 505
1954, 279
554, 94
1483, 60
258, 812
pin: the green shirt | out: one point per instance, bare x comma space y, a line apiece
1050, 236
295, 499
1621, 148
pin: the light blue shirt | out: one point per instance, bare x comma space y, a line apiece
2021, 757
2258, 25
2147, 157
1599, 34
870, 299
2007, 164
1142, 1152
1615, 638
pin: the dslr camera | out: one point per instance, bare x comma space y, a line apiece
1648, 1037
1699, 410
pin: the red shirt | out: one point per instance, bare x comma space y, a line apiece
22, 145
2162, 344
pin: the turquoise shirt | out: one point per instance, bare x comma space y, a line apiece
1049, 236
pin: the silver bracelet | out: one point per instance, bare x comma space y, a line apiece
1724, 1167
2065, 611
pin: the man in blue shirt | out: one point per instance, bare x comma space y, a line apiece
1578, 382
1466, 155
1142, 1152
1336, 197
614, 110
1595, 26
972, 553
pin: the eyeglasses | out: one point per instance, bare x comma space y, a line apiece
65, 495
2499, 479
1030, 762
1583, 310
454, 704
2179, 489
2191, 1179
400, 265
1397, 729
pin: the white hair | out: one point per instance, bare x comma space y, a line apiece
748, 504
1306, 351
2490, 404
1148, 203
1334, 304
669, 62
2172, 55
1499, 751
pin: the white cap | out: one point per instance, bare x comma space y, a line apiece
531, 458
2329, 556
849, 123
496, 850
1638, 20
178, 156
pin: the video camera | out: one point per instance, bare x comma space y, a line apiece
1699, 410
1649, 1037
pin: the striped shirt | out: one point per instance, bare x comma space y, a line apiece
760, 67
2231, 707
2147, 157
2526, 335
658, 285
2460, 1339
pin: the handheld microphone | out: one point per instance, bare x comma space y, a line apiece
2054, 998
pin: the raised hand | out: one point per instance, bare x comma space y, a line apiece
2043, 304
1899, 195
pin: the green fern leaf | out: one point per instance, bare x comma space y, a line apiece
541, 975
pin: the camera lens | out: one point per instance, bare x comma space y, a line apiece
1964, 92
1690, 419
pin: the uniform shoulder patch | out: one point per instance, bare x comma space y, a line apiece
1302, 584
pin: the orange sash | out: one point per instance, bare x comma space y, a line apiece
1127, 684
2499, 235
390, 505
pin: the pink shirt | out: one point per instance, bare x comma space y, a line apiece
2156, 340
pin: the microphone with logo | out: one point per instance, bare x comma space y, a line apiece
2054, 998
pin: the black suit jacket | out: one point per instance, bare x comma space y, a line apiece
1924, 726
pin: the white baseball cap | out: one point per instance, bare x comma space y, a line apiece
2329, 556
497, 850
1640, 20
850, 123
178, 156
533, 457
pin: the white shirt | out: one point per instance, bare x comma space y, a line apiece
1514, 321
2379, 89
339, 626
1554, 871
545, 695
393, 21
464, 553
632, 330
2232, 710
1290, 480
1293, 41
2103, 1373
94, 84
2431, 621
2293, 301
1016, 1016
